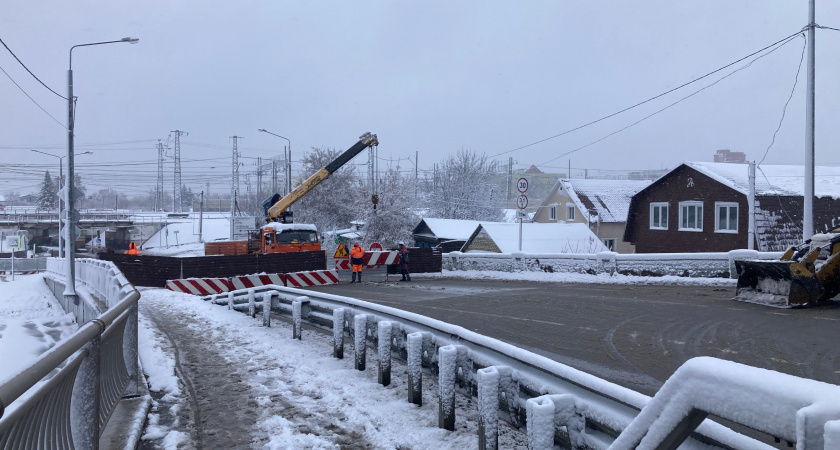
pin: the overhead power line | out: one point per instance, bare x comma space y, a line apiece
30, 72
649, 99
32, 99
789, 39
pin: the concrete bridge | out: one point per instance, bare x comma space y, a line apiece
120, 228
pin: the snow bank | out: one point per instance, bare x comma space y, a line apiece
31, 322
694, 265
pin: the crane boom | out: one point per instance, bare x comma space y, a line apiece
278, 210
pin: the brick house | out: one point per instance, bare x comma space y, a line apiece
702, 207
600, 204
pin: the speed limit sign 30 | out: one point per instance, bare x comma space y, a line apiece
522, 185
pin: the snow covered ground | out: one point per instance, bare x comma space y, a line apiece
304, 397
31, 322
180, 237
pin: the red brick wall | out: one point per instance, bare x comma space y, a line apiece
673, 189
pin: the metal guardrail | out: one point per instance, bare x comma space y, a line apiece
92, 369
553, 402
23, 265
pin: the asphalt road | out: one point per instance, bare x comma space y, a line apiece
635, 336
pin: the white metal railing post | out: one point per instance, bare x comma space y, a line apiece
414, 347
266, 309
488, 408
252, 304
540, 418
296, 307
360, 344
447, 365
338, 333
384, 347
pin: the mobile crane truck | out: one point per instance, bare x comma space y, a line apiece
280, 234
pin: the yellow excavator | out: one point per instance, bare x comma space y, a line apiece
808, 273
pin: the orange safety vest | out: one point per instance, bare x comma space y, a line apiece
132, 249
357, 252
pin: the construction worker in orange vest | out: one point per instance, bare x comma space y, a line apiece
356, 260
132, 249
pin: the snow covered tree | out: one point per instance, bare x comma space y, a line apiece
47, 198
332, 204
396, 212
464, 189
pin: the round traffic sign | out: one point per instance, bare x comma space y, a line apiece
522, 185
375, 247
522, 201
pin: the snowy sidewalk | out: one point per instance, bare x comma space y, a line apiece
240, 385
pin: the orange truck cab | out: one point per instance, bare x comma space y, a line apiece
289, 237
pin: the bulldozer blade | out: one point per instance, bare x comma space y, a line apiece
776, 283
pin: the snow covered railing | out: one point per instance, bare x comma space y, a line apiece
22, 265
88, 373
554, 402
707, 265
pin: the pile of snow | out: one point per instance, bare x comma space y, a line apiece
31, 322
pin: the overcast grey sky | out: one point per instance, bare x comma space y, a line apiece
427, 77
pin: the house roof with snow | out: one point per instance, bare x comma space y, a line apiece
445, 229
536, 238
608, 199
773, 179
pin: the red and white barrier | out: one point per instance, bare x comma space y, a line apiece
371, 260
312, 278
200, 286
249, 281
18, 272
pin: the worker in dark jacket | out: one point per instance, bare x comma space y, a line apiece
356, 259
403, 251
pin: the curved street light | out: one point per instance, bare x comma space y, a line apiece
288, 159
69, 241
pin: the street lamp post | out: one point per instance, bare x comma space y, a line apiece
60, 179
288, 160
69, 239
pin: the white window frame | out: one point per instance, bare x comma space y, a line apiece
727, 206
697, 217
663, 207
570, 211
614, 243
552, 212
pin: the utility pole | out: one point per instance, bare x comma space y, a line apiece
808, 214
259, 179
200, 217
159, 186
751, 207
176, 193
234, 183
273, 176
416, 165
510, 176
